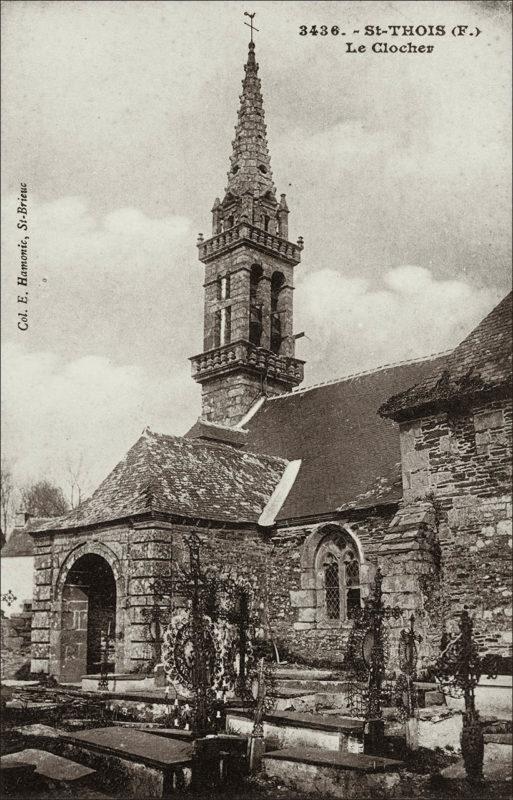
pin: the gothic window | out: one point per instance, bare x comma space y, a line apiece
337, 571
277, 281
266, 222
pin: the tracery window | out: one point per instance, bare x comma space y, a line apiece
338, 581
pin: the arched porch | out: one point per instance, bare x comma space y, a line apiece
88, 609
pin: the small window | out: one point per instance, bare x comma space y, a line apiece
223, 326
255, 306
332, 587
277, 281
217, 329
226, 325
262, 169
223, 288
266, 223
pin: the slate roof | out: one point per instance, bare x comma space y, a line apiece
350, 455
183, 477
481, 364
19, 543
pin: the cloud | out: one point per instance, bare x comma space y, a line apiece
55, 410
100, 283
355, 325
116, 309
104, 353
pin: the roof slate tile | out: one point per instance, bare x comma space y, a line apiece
349, 454
183, 477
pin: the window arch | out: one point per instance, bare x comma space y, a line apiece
337, 578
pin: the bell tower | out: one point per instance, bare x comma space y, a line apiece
248, 346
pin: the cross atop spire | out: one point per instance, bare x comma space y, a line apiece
250, 161
250, 23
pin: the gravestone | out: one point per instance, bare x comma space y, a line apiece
49, 766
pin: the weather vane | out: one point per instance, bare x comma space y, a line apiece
250, 24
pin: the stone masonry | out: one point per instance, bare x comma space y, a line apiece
463, 462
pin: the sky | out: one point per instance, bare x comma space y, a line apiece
119, 118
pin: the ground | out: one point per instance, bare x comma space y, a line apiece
83, 712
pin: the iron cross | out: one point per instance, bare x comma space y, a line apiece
250, 24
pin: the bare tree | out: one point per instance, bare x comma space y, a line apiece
44, 499
77, 478
6, 496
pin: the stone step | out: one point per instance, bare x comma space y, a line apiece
332, 774
297, 673
327, 701
295, 729
307, 686
283, 690
498, 738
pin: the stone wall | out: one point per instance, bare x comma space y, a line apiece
143, 551
137, 554
227, 398
409, 558
293, 604
237, 264
15, 640
461, 462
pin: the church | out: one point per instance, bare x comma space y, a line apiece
300, 491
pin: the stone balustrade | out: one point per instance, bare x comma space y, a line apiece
231, 356
244, 232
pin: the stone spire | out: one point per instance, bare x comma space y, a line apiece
248, 342
250, 162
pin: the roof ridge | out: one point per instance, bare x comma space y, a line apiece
219, 425
381, 368
217, 445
